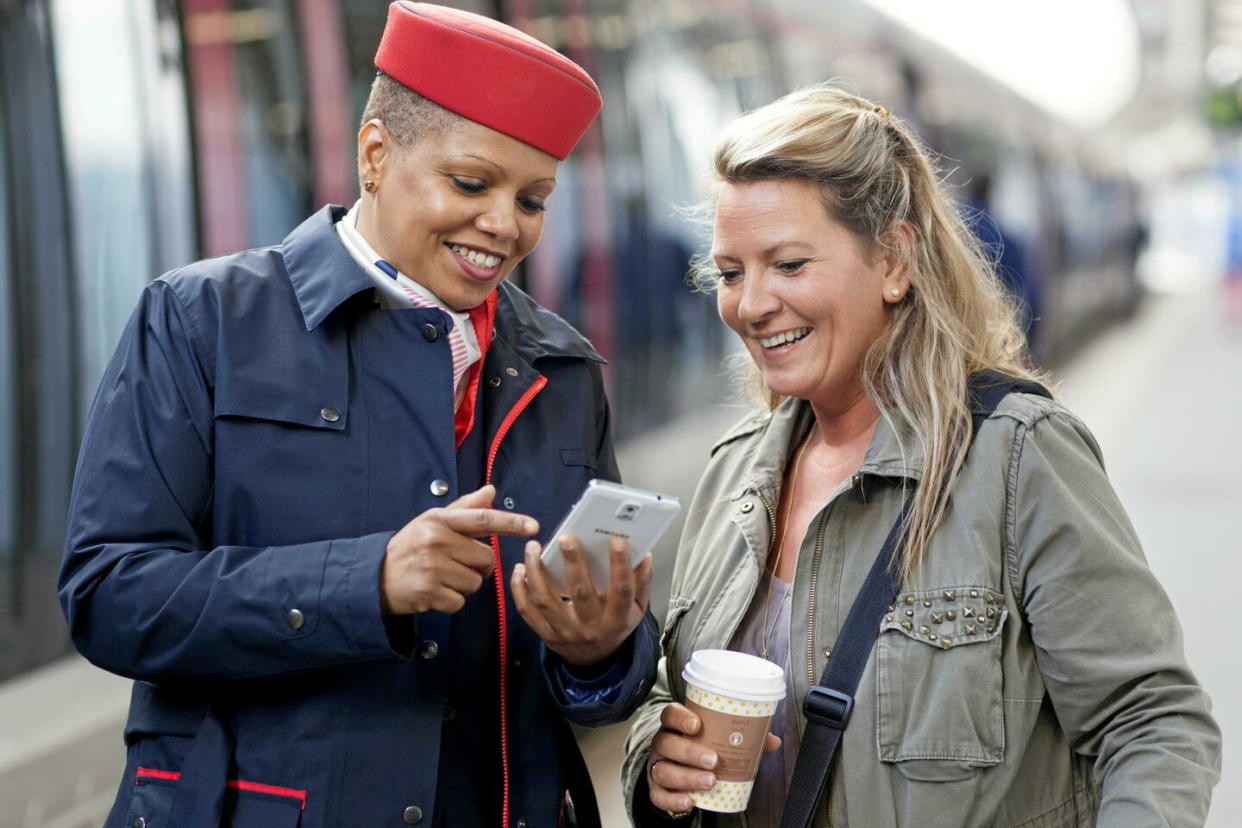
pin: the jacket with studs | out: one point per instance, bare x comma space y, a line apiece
1031, 673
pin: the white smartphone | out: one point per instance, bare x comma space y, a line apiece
606, 509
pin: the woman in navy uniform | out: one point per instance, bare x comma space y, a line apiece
301, 514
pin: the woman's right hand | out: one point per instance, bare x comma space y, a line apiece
435, 561
678, 764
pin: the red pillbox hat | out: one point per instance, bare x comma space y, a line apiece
490, 73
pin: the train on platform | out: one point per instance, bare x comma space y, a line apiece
138, 135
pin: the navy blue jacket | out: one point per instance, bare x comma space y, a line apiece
260, 434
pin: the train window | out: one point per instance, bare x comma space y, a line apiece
249, 101
272, 111
364, 23
102, 116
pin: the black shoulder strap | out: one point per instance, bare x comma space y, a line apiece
828, 705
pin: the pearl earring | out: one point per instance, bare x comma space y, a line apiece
894, 292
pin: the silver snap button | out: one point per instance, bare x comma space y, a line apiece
509, 503
412, 815
513, 372
493, 382
428, 650
295, 619
139, 822
747, 508
430, 333
330, 414
439, 488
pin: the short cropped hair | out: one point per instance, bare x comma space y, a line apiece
407, 115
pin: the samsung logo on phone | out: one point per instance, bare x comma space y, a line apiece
621, 535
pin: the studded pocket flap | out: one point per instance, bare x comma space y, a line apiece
947, 617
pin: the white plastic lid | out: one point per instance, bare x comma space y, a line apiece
736, 675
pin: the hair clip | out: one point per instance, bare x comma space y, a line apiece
881, 111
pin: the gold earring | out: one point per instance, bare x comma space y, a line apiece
369, 186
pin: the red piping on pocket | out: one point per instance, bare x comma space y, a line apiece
237, 784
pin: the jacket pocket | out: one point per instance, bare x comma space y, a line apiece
579, 457
152, 798
940, 714
255, 805
246, 804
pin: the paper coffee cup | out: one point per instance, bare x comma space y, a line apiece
734, 695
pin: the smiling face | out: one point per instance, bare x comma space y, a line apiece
807, 297
457, 209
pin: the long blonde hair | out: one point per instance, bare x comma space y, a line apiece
955, 319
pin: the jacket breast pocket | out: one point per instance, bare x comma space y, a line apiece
287, 470
939, 707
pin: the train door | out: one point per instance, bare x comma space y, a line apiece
38, 426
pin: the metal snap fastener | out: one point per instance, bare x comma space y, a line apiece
439, 488
412, 815
493, 382
330, 414
521, 823
747, 508
139, 822
295, 619
513, 372
430, 333
428, 650
509, 503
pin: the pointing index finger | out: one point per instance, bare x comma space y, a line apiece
477, 522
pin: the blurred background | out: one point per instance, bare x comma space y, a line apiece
1095, 144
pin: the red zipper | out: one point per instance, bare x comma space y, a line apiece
498, 568
236, 784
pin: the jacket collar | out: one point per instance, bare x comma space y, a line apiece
535, 332
323, 273
894, 451
325, 276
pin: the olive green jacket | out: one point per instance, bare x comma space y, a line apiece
1032, 672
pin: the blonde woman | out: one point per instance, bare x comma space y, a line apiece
1031, 672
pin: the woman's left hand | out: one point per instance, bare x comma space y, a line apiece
590, 626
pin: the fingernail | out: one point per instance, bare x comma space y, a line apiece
614, 543
686, 804
708, 759
565, 540
706, 782
530, 526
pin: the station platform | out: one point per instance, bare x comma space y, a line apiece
1162, 392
